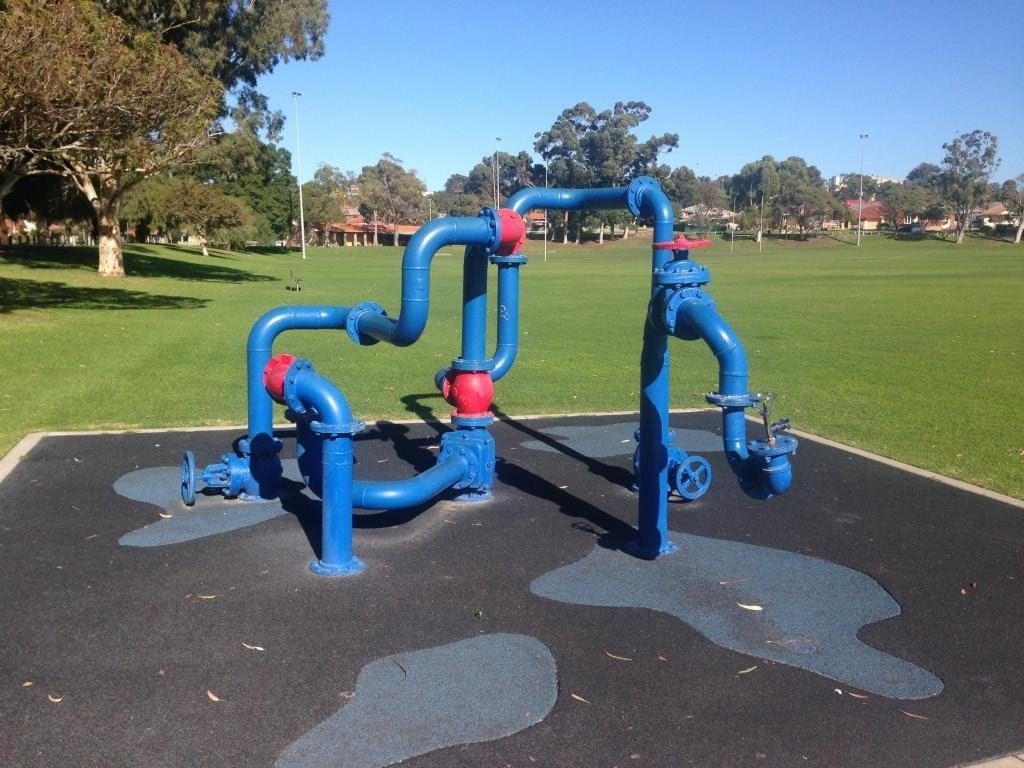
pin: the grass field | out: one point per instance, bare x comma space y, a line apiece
914, 350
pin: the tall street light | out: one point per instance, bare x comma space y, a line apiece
298, 174
497, 175
545, 212
860, 203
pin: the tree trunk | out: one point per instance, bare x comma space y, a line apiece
600, 235
111, 257
1020, 230
565, 228
103, 194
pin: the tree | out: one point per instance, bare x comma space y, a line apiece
207, 212
234, 41
244, 166
1012, 194
757, 184
969, 162
327, 196
585, 148
390, 193
907, 201
802, 194
88, 98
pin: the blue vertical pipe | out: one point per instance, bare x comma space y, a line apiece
644, 198
307, 389
508, 314
652, 537
474, 309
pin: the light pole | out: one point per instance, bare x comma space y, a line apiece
298, 174
545, 212
497, 174
860, 202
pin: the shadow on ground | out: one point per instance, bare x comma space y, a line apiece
31, 294
139, 261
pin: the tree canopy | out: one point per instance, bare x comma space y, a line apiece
970, 160
100, 103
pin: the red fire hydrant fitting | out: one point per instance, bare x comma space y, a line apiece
274, 373
471, 392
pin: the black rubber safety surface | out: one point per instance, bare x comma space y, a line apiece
225, 650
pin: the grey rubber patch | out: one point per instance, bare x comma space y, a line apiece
211, 515
617, 440
480, 689
775, 605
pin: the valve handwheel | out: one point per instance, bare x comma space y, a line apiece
692, 477
188, 478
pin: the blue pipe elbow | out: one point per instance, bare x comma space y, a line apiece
415, 306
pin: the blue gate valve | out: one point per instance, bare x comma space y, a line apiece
772, 451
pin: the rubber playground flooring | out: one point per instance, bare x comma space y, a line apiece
868, 617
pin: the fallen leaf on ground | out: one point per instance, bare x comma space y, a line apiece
746, 671
856, 695
254, 647
207, 597
747, 607
727, 582
27, 684
212, 696
613, 656
55, 699
916, 717
165, 515
579, 698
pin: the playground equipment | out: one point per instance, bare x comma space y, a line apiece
325, 427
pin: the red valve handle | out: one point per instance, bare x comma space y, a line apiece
681, 242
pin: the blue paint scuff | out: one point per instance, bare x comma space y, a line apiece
810, 609
474, 690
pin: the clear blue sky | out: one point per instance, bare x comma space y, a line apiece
435, 84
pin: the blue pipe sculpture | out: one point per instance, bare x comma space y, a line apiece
325, 428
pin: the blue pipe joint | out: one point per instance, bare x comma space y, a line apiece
769, 469
666, 306
475, 447
682, 273
352, 322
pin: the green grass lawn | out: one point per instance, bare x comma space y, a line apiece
911, 349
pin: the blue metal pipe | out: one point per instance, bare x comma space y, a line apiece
259, 350
307, 390
474, 309
508, 318
411, 491
732, 368
647, 199
415, 307
560, 199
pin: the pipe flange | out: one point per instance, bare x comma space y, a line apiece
783, 444
290, 399
682, 272
514, 260
462, 364
337, 430
731, 401
635, 193
352, 322
490, 216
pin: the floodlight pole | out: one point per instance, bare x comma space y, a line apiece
298, 174
545, 212
860, 203
497, 174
